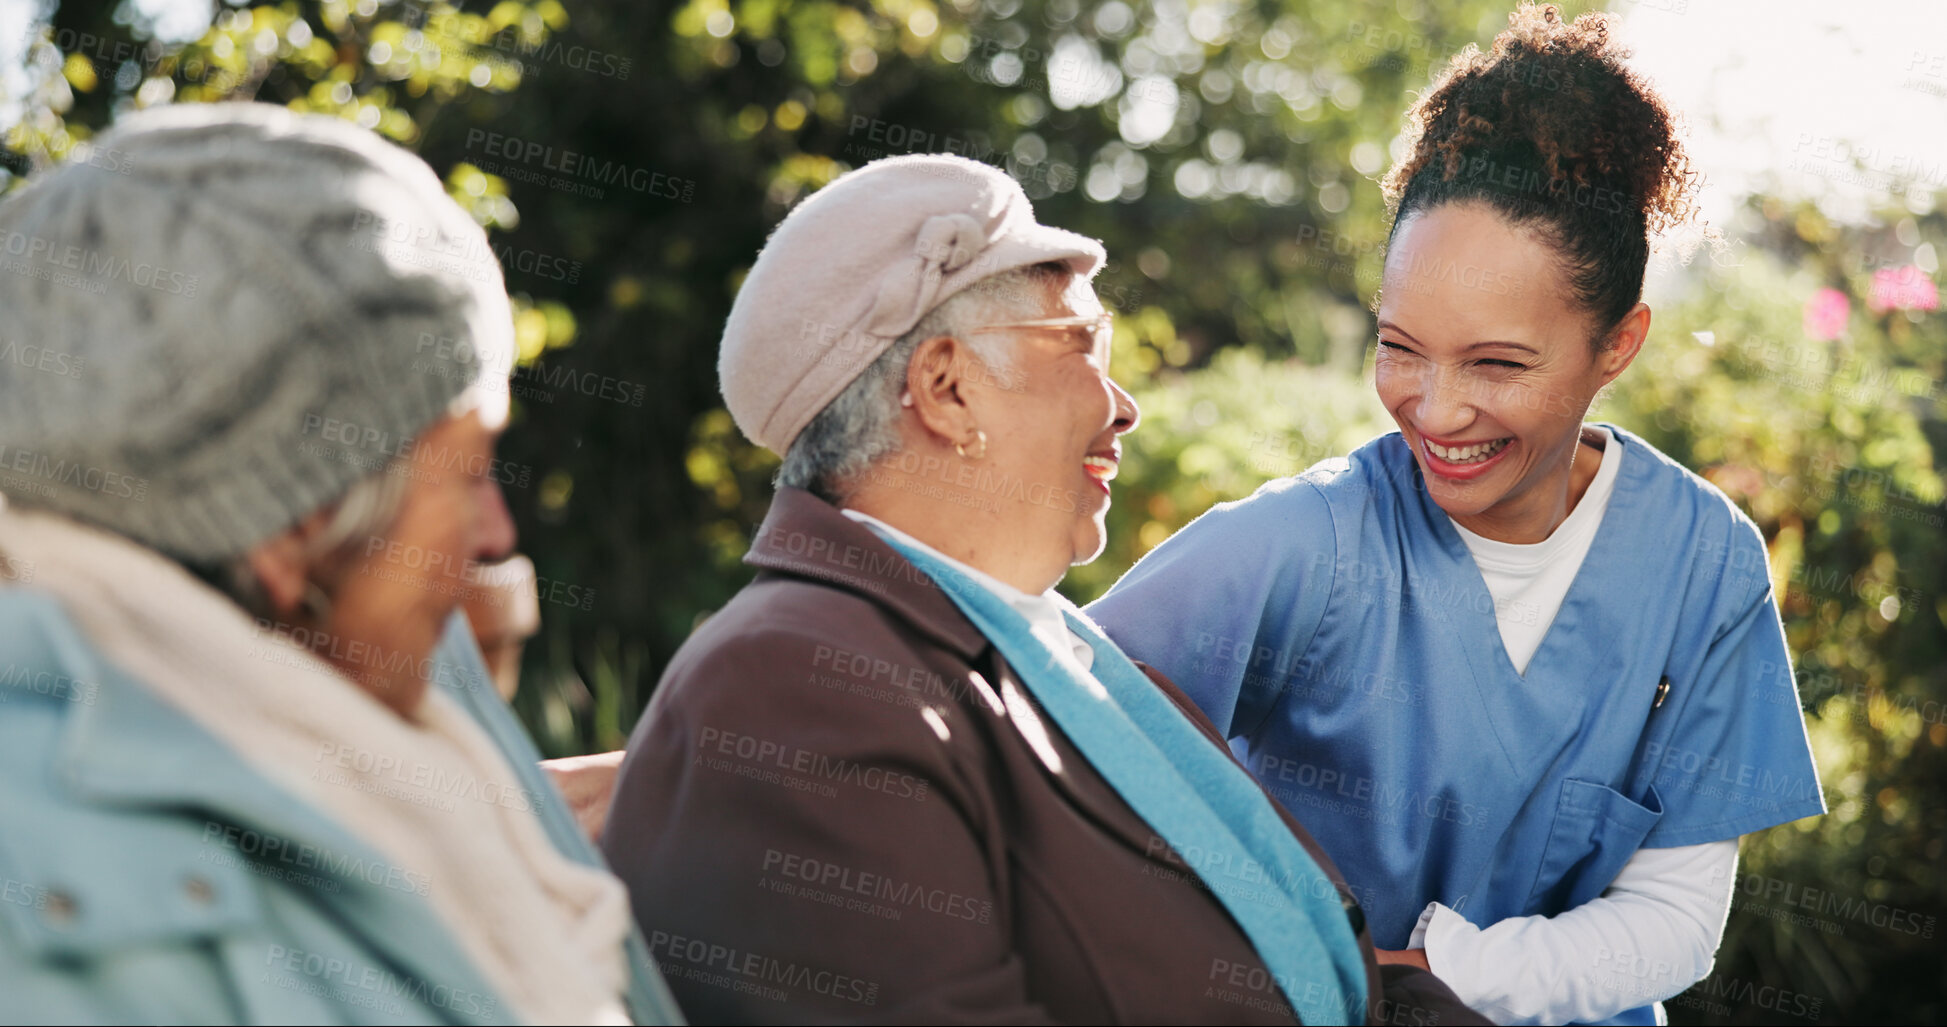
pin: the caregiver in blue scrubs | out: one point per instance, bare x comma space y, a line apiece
1522, 676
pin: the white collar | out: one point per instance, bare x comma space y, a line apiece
1580, 523
1044, 612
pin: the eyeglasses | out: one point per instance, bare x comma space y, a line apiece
1101, 327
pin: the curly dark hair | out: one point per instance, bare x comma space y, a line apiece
1557, 136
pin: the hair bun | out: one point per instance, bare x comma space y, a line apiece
1552, 105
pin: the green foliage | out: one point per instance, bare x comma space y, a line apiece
1224, 151
1832, 447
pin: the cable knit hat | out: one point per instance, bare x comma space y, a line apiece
226, 316
856, 266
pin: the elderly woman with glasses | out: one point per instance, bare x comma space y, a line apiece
899, 777
254, 770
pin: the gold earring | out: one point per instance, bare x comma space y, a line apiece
980, 446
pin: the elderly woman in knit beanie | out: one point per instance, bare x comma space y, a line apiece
899, 776
253, 768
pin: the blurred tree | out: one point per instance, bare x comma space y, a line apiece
1826, 429
630, 158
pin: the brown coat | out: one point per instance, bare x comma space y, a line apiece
843, 805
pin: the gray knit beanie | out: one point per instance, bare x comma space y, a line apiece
228, 315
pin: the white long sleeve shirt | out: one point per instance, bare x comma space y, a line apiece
1655, 930
1649, 936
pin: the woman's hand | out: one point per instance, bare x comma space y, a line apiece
587, 782
1406, 957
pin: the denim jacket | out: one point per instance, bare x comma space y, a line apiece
148, 874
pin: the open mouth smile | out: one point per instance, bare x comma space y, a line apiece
1462, 461
1466, 454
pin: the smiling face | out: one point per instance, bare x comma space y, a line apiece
1485, 363
1052, 422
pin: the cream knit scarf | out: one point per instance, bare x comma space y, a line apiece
433, 796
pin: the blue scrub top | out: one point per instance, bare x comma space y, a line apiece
1337, 630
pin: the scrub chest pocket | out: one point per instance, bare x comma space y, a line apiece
1595, 832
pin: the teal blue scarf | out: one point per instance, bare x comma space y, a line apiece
1192, 793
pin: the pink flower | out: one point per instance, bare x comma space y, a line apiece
1903, 288
1826, 313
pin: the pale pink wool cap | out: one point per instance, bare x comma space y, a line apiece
856, 266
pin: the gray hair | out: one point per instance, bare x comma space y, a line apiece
366, 510
860, 425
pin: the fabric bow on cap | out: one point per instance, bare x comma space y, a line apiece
946, 243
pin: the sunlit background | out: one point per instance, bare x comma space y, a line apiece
1227, 154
